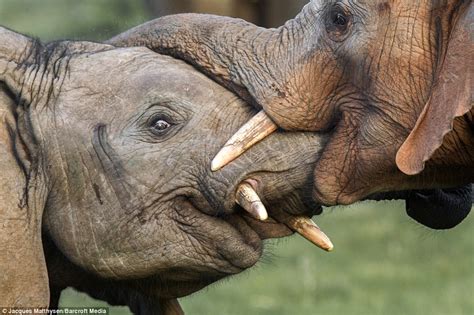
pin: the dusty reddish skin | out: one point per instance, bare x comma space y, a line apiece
396, 64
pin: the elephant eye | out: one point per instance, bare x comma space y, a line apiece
160, 125
339, 19
338, 22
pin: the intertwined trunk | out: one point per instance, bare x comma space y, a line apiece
256, 63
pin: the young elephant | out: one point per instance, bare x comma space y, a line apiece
389, 79
105, 176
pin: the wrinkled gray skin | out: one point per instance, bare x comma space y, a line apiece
131, 204
363, 71
94, 197
131, 214
389, 79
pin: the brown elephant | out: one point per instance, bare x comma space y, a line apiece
389, 80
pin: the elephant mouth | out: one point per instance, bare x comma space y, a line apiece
231, 242
250, 224
277, 223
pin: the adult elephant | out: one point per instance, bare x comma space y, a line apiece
389, 80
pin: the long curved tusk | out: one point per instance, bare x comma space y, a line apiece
247, 198
257, 129
309, 230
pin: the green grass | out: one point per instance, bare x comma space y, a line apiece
383, 264
72, 19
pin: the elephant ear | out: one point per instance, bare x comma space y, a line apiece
23, 277
451, 97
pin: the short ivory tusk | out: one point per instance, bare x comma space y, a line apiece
257, 129
309, 230
247, 198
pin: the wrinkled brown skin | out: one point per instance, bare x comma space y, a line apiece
92, 196
398, 75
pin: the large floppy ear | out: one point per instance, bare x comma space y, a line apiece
451, 97
23, 274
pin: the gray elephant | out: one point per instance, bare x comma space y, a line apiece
106, 184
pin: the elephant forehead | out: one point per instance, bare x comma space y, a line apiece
120, 65
126, 80
134, 73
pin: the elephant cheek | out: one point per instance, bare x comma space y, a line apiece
331, 180
335, 177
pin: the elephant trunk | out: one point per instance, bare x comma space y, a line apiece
256, 63
224, 48
439, 209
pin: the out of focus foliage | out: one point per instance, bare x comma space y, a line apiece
101, 19
71, 19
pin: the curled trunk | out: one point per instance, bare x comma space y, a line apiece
253, 62
438, 209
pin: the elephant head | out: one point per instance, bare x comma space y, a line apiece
105, 164
388, 79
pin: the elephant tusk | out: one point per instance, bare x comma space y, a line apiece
247, 198
309, 230
257, 129
171, 307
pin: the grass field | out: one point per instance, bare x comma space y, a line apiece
383, 264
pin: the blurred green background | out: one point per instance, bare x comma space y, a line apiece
384, 263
